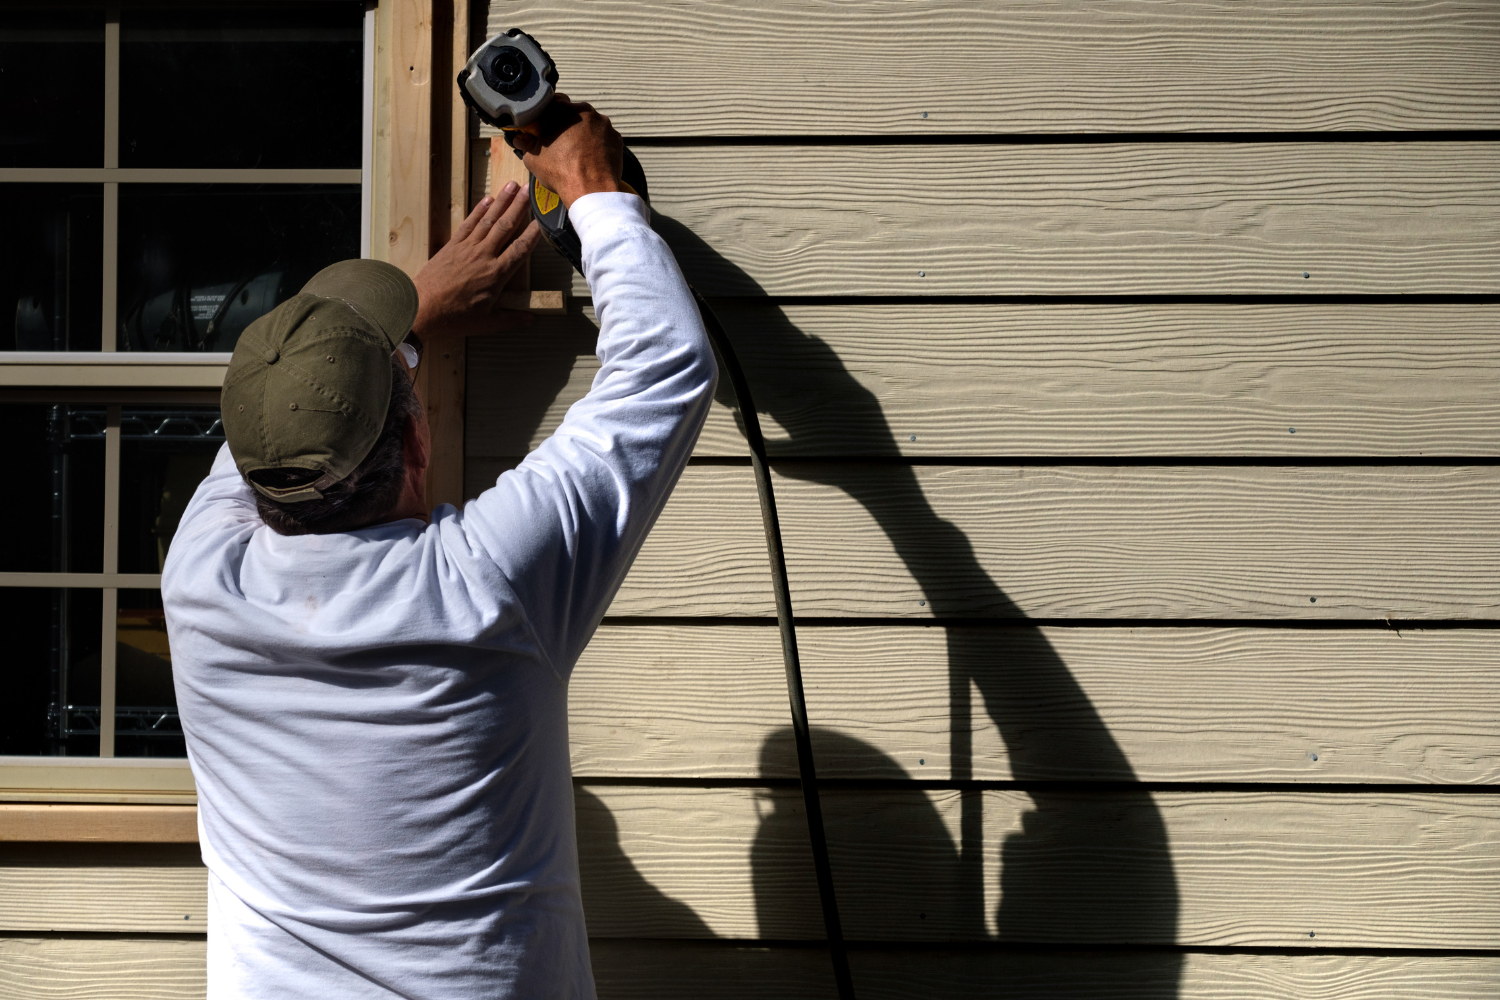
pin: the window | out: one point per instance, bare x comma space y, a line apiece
169, 175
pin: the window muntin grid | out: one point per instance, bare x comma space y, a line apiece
85, 622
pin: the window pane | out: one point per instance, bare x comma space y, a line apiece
242, 88
50, 671
55, 505
146, 723
199, 263
52, 88
165, 452
51, 266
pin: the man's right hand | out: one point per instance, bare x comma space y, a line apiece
578, 152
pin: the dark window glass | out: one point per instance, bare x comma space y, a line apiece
242, 88
52, 88
50, 671
199, 263
51, 266
165, 451
54, 507
146, 723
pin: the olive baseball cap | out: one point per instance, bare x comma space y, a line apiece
310, 381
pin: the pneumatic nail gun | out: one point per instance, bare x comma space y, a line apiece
508, 82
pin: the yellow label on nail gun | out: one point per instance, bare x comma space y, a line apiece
546, 199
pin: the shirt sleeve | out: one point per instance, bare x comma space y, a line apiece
566, 524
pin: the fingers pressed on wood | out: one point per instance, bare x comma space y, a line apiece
522, 245
503, 200
467, 226
510, 223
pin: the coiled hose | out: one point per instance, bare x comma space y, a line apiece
807, 770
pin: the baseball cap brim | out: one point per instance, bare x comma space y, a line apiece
380, 293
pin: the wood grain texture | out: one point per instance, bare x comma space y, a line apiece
1210, 869
626, 970
441, 386
1082, 542
1048, 704
408, 144
1080, 219
875, 67
115, 968
938, 975
1372, 870
706, 970
125, 888
113, 824
938, 380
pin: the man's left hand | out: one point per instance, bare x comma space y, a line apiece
458, 290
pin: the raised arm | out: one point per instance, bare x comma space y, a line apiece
565, 525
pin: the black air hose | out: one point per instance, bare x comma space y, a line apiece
805, 764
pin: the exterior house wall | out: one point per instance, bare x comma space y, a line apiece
1128, 371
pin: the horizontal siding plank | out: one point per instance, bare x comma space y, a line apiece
874, 67
681, 702
982, 380
1047, 704
1375, 870
126, 888
1079, 219
1217, 869
663, 970
936, 975
116, 968
1082, 542
146, 968
625, 970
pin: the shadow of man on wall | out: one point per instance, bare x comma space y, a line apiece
1088, 865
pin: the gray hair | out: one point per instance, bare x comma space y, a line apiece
360, 498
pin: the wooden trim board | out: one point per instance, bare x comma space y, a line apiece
105, 823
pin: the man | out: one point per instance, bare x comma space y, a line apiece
375, 700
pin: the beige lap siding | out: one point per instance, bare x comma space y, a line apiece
1082, 382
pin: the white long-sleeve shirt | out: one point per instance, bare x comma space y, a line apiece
377, 719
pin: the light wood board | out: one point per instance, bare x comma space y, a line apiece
874, 67
1136, 542
1079, 219
93, 968
938, 380
1244, 869
1048, 704
107, 823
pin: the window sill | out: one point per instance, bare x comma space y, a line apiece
96, 780
97, 370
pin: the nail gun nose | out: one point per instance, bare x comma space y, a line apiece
508, 70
